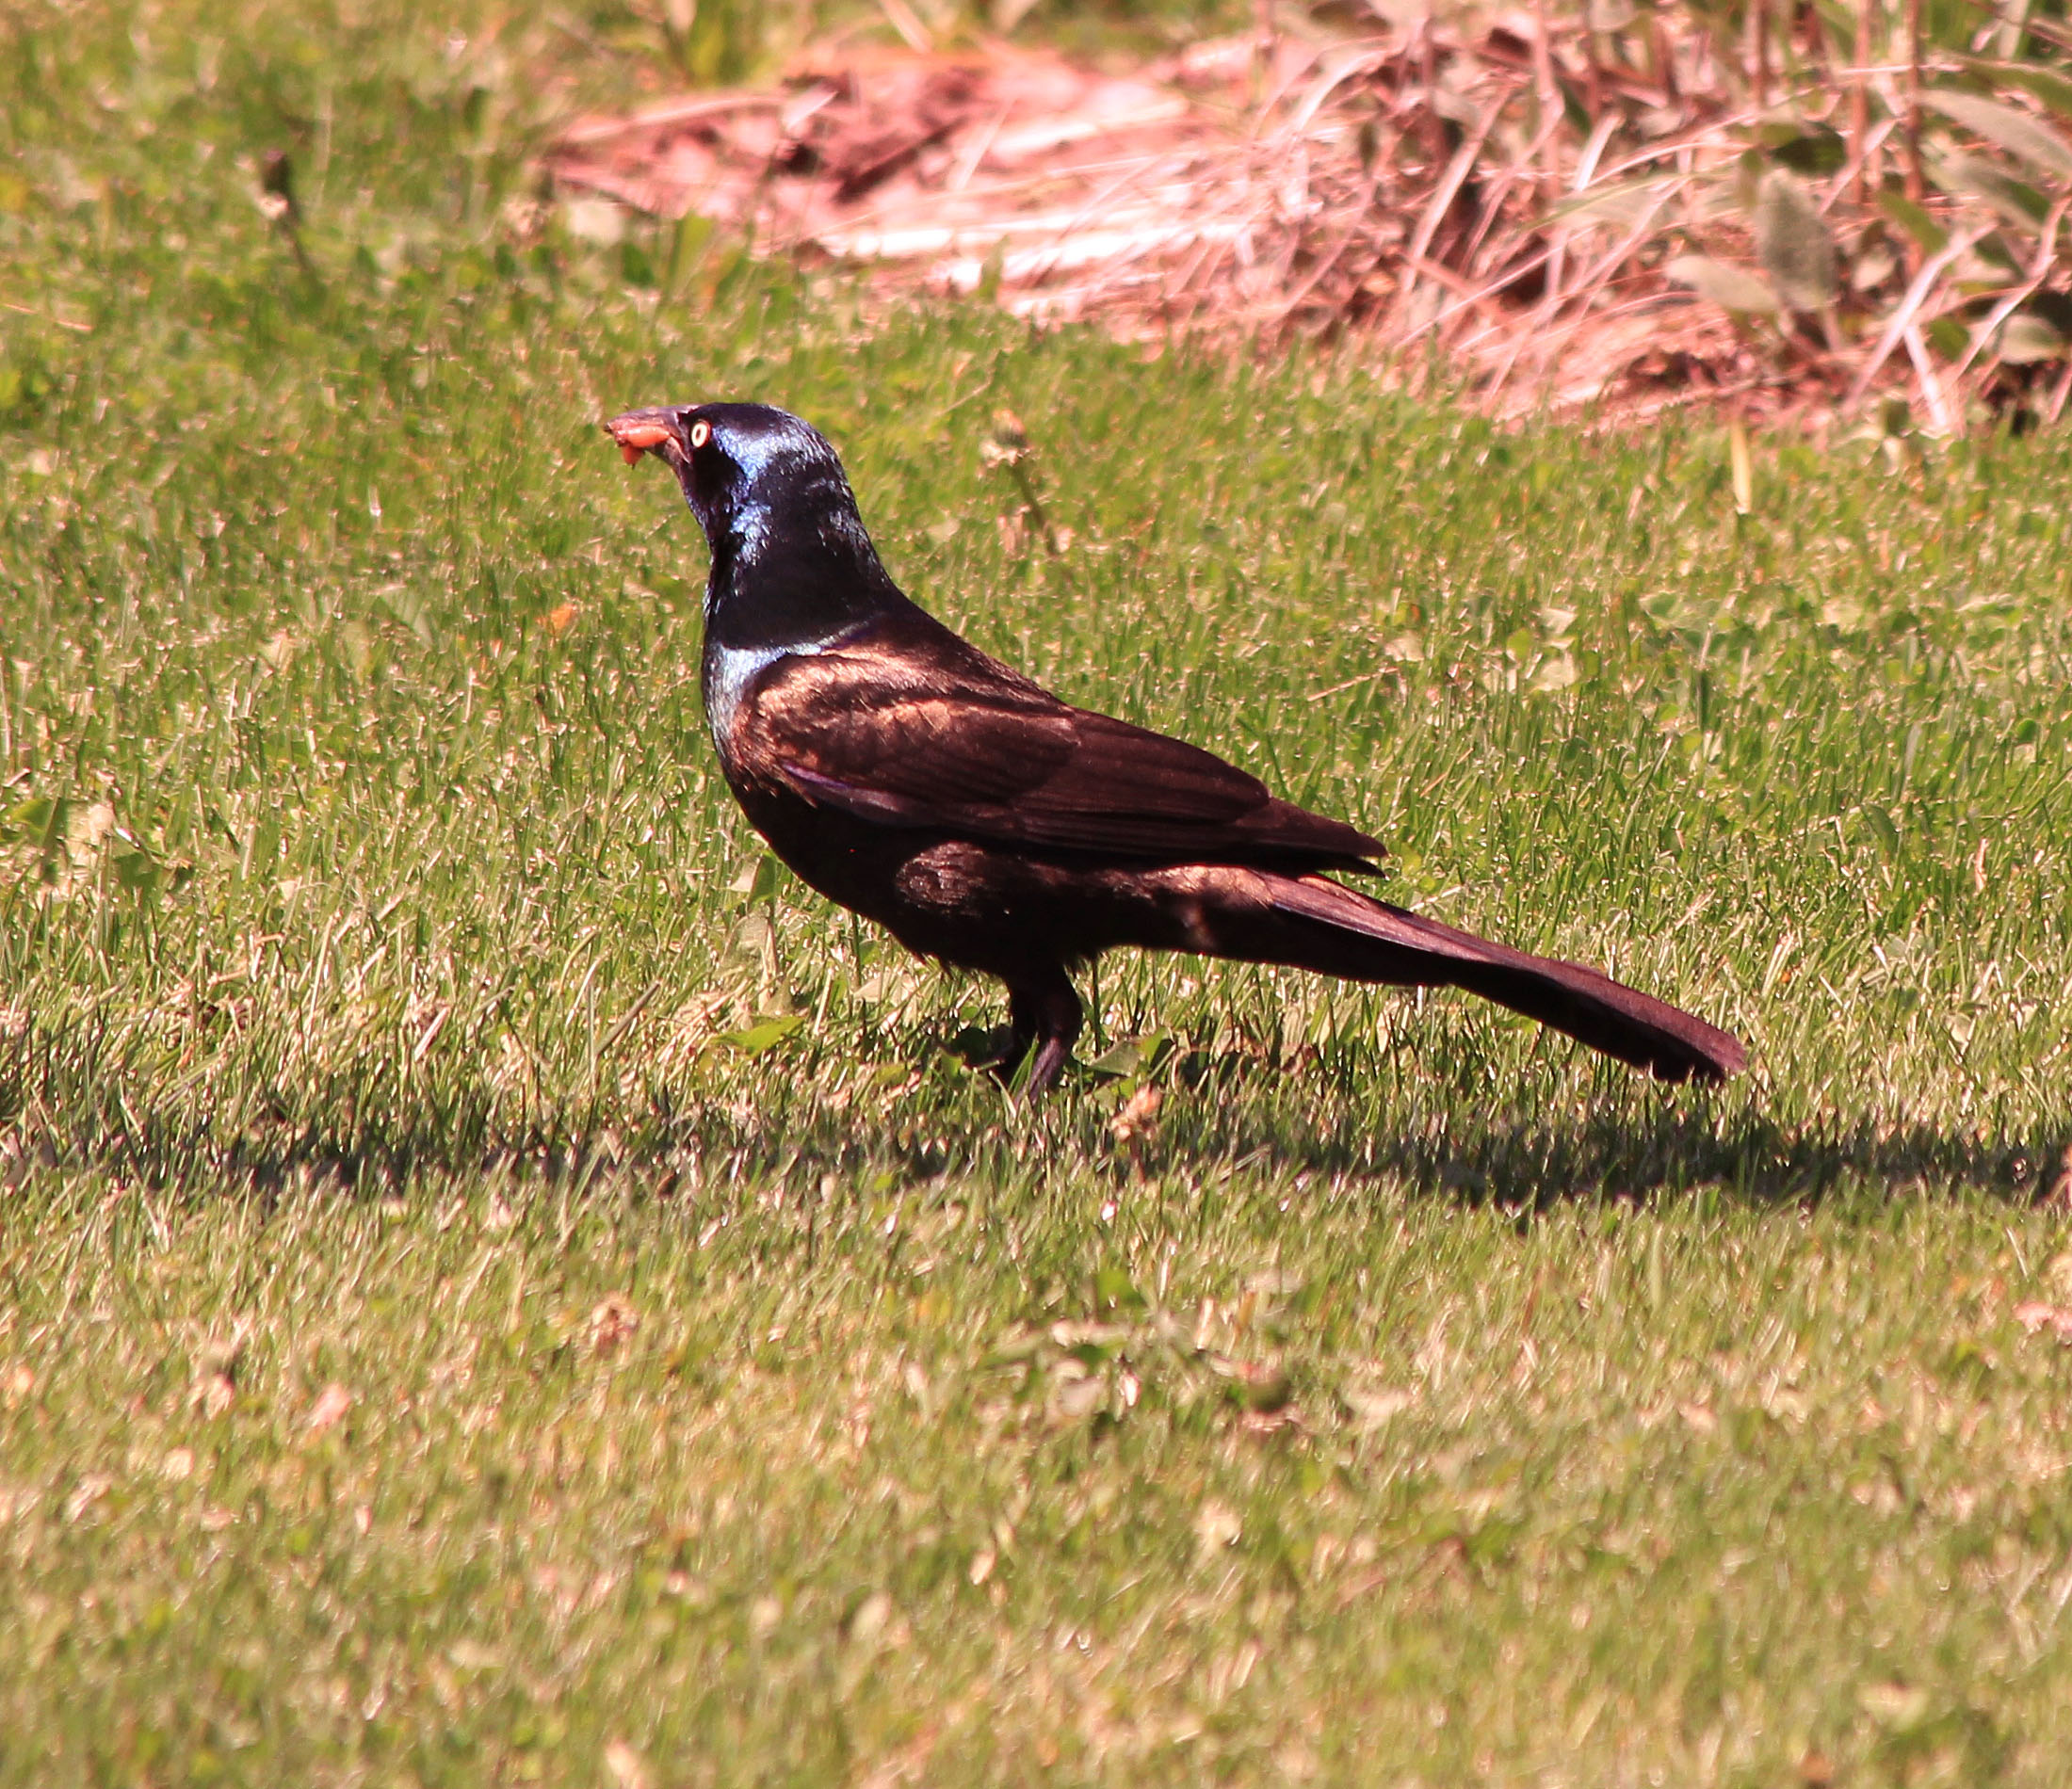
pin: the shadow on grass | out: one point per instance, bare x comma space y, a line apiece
1749, 1160
1677, 1145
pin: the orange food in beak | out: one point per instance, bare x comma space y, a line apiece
636, 439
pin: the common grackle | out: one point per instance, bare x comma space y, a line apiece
981, 820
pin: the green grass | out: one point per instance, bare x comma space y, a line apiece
735, 1387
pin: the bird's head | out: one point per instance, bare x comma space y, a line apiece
741, 467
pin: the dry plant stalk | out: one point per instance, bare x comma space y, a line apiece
1422, 187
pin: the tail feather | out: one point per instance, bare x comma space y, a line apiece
1354, 935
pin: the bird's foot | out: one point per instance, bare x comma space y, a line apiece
1047, 1065
1015, 1066
1032, 1064
1020, 1071
1047, 1015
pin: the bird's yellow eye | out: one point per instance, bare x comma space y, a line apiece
701, 432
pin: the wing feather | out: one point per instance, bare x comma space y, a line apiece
962, 744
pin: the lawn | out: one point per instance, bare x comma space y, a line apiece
498, 1283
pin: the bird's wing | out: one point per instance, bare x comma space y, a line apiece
954, 742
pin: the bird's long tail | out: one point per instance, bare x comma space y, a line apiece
1321, 924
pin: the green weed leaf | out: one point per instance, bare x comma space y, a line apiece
2027, 139
1730, 287
1974, 177
759, 1037
1926, 232
41, 822
2046, 85
1114, 1290
1805, 149
760, 880
1793, 243
136, 870
1135, 1055
2029, 339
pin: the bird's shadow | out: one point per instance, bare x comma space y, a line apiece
1666, 1145
1743, 1158
1748, 1162
1682, 1142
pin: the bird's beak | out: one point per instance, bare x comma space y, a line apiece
647, 431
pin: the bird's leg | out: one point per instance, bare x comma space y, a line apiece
1045, 1012
1023, 1023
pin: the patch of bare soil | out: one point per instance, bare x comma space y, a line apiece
1552, 228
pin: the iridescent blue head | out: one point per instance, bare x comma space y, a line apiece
790, 556
742, 466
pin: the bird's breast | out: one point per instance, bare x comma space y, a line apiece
732, 671
729, 672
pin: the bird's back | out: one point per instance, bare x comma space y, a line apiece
903, 723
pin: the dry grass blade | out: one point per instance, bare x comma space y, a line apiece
1449, 183
2046, 263
1930, 387
1902, 317
663, 118
2054, 410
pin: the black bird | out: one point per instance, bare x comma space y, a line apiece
981, 820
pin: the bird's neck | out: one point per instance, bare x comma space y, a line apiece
787, 587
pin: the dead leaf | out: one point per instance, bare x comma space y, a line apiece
89, 1491
1894, 1704
1216, 1526
612, 1321
628, 1769
215, 1387
472, 1655
1371, 1409
1138, 1116
329, 1409
872, 1622
2035, 1315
